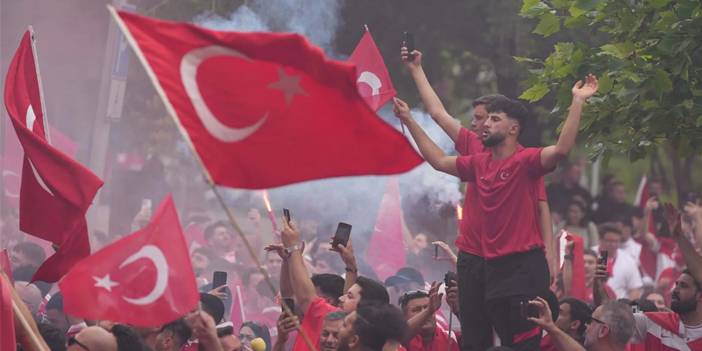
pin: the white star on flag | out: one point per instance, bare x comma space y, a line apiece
289, 85
105, 283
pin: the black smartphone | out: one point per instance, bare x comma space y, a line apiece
436, 251
408, 42
343, 233
528, 310
604, 255
286, 214
219, 278
290, 303
450, 279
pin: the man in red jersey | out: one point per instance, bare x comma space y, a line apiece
473, 316
507, 180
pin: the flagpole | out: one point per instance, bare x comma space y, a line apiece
45, 118
208, 178
36, 343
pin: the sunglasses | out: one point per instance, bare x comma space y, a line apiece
73, 341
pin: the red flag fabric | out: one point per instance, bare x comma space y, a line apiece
13, 157
386, 250
7, 317
265, 109
5, 264
56, 191
144, 279
238, 316
372, 77
577, 288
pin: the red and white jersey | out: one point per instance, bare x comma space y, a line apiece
665, 331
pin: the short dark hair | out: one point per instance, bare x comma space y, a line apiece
213, 306
54, 337
590, 252
55, 302
608, 227
372, 291
180, 329
335, 316
127, 338
209, 230
579, 311
31, 250
376, 323
411, 295
512, 108
260, 331
698, 285
331, 285
486, 99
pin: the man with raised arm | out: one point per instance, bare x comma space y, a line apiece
506, 179
474, 320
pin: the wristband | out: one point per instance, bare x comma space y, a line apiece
289, 250
351, 270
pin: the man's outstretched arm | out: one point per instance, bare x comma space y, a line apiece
431, 152
431, 101
550, 155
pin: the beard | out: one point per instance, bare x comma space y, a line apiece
682, 307
493, 139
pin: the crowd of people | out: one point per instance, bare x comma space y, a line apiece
627, 277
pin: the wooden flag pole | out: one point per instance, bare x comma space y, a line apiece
210, 182
28, 327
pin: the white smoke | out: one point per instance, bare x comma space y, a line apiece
353, 199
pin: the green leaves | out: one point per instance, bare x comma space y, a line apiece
535, 93
548, 25
662, 82
618, 50
647, 58
533, 8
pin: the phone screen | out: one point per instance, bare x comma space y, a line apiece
286, 214
408, 41
604, 255
290, 303
343, 233
219, 278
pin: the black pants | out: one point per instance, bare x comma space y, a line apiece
509, 281
476, 330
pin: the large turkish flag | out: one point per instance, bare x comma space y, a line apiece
265, 109
143, 279
56, 191
373, 79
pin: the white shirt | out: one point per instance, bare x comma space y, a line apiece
625, 275
649, 332
632, 248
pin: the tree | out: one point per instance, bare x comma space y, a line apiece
648, 56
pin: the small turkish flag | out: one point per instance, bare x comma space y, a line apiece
386, 250
56, 191
144, 279
373, 80
265, 109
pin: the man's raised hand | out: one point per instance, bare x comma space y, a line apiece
583, 91
401, 109
412, 60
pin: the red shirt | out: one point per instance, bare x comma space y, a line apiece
508, 194
312, 323
439, 343
468, 240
